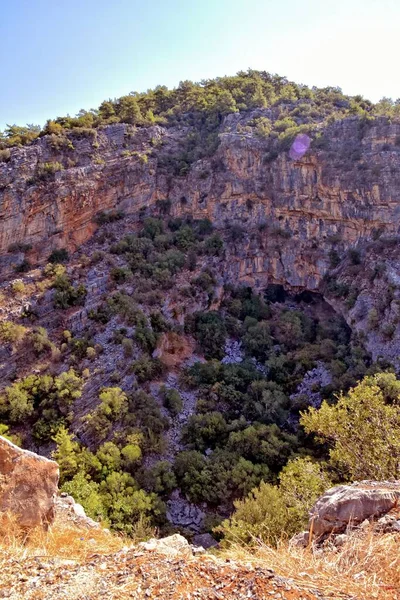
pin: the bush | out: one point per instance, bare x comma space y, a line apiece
46, 171
145, 338
214, 245
5, 155
334, 258
109, 217
272, 513
210, 333
146, 368
205, 431
66, 294
38, 340
18, 287
19, 247
11, 333
172, 401
363, 428
354, 256
23, 267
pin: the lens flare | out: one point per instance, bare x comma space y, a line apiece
300, 146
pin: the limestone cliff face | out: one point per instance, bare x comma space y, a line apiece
293, 212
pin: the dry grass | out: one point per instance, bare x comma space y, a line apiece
367, 566
63, 540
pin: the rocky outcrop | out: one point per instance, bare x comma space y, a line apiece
28, 486
182, 513
350, 505
73, 513
291, 211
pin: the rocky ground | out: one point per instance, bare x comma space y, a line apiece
140, 573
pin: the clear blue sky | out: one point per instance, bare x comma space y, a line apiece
59, 56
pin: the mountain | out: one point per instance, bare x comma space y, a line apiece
183, 272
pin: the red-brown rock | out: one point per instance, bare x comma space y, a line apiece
28, 485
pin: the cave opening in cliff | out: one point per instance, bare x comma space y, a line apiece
309, 297
275, 292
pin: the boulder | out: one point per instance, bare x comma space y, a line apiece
173, 545
28, 486
348, 505
205, 540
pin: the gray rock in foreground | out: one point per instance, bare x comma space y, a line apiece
350, 505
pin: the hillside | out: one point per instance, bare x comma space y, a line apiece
183, 273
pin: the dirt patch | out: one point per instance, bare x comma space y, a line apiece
173, 349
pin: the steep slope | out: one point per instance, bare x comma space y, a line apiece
201, 261
295, 209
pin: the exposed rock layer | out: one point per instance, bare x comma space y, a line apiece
293, 211
28, 485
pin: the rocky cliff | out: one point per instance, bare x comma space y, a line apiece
293, 212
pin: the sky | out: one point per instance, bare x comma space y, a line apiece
60, 56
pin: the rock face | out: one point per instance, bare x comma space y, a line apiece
67, 510
292, 210
352, 504
28, 486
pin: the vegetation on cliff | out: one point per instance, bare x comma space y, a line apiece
141, 365
201, 107
244, 426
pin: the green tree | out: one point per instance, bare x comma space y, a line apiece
362, 428
86, 492
270, 513
68, 388
66, 454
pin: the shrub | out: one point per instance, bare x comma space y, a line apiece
334, 258
145, 338
205, 431
111, 216
210, 333
19, 247
172, 401
23, 267
363, 428
18, 287
127, 346
66, 294
11, 333
38, 340
46, 171
5, 155
205, 281
146, 368
90, 353
86, 492
120, 274
152, 227
214, 245
160, 478
271, 513
354, 256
